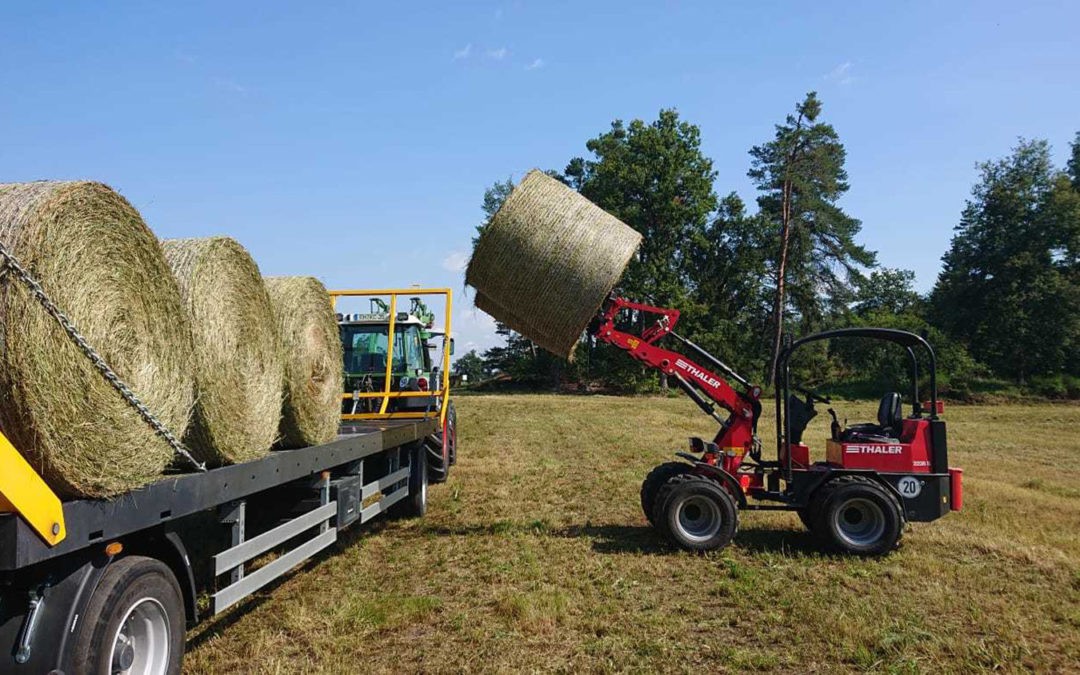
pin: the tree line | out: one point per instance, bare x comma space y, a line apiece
1004, 313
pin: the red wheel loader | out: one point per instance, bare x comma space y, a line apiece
875, 477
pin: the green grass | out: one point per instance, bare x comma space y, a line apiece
535, 556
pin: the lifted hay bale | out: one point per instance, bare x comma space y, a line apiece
238, 361
313, 360
547, 260
103, 267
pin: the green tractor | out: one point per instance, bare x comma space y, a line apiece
365, 340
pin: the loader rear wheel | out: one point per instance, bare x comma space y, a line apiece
134, 622
856, 515
656, 478
696, 513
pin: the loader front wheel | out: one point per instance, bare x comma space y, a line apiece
650, 487
696, 513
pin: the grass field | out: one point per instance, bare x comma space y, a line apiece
535, 556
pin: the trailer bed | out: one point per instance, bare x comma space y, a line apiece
90, 521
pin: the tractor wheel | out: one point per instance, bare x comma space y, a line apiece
857, 515
696, 513
806, 515
442, 453
650, 487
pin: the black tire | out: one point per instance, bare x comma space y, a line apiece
858, 516
415, 505
442, 453
136, 613
650, 487
806, 515
696, 513
451, 424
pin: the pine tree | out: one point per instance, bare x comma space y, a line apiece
801, 175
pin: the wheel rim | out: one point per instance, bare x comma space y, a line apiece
859, 522
698, 518
141, 643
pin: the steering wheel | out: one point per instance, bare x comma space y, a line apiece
813, 395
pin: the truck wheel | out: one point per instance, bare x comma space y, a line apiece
806, 515
695, 513
856, 515
654, 480
415, 505
134, 622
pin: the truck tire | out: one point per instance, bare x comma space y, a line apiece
451, 432
134, 622
650, 487
858, 516
696, 513
415, 505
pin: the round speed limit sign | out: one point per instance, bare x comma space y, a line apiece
909, 487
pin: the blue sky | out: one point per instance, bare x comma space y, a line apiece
353, 141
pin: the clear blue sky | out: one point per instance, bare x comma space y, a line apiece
353, 141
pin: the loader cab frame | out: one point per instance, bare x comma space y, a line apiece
794, 414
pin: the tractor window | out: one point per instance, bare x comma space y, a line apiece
412, 348
365, 348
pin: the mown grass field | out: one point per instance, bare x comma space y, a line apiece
535, 556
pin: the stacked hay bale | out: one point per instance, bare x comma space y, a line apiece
313, 360
101, 265
547, 260
238, 363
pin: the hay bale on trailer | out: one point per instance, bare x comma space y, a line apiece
313, 360
238, 362
102, 266
547, 260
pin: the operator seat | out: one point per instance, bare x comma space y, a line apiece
890, 417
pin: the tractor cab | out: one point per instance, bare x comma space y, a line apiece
889, 443
370, 358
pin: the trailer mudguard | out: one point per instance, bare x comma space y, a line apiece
36, 640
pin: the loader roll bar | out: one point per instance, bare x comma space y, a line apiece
909, 341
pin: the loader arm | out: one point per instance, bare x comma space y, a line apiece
737, 430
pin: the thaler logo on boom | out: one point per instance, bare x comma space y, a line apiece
698, 373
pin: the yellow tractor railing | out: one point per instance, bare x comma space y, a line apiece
442, 393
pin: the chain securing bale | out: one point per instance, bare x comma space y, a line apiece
101, 265
238, 361
547, 261
313, 360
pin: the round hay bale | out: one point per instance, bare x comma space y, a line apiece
238, 361
547, 260
313, 360
103, 267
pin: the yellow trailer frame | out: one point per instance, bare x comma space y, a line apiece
443, 392
23, 492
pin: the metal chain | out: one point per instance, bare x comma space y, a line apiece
12, 264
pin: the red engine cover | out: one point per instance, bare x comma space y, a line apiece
910, 455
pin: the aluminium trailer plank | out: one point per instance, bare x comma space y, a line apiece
90, 522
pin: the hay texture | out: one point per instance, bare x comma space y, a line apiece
547, 260
103, 267
313, 360
238, 362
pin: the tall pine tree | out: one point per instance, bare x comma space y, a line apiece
816, 262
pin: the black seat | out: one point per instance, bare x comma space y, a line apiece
890, 417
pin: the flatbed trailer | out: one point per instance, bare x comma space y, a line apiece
117, 593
